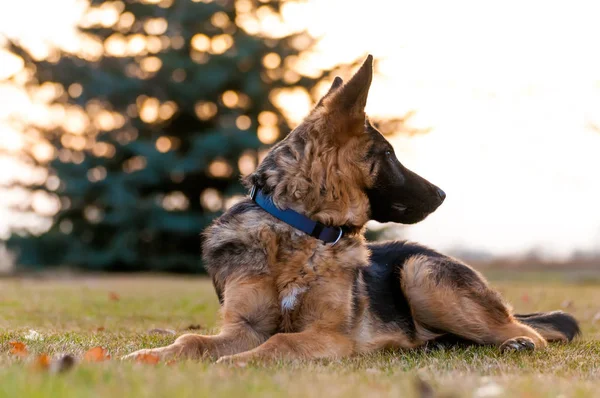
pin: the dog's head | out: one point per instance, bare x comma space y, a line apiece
338, 169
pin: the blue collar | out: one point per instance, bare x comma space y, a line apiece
313, 228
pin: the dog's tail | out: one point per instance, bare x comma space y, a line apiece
553, 326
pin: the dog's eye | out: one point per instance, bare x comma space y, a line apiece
388, 153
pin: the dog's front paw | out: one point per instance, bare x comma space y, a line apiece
234, 360
518, 344
162, 353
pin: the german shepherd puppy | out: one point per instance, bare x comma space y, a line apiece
286, 294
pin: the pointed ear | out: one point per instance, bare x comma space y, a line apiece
346, 105
352, 97
337, 82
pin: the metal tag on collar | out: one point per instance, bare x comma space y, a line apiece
253, 191
339, 236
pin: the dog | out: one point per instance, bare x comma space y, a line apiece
296, 279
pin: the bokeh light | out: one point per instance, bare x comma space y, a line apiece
220, 168
200, 42
151, 64
243, 122
75, 90
271, 60
205, 110
230, 99
211, 199
175, 201
164, 144
221, 43
155, 26
247, 163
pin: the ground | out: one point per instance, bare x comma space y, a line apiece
72, 315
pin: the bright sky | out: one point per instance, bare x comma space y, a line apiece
509, 89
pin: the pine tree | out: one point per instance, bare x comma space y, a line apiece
155, 120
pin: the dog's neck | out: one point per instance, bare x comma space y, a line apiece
345, 211
325, 233
307, 173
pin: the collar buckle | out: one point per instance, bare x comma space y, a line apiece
339, 236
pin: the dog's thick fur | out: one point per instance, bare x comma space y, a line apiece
287, 295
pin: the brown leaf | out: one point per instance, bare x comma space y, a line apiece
96, 354
525, 298
114, 296
65, 363
194, 327
149, 359
19, 349
100, 329
42, 362
163, 331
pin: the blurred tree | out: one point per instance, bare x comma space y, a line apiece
155, 119
150, 124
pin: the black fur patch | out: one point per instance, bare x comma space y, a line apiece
286, 152
237, 209
399, 251
231, 248
218, 291
259, 177
355, 296
225, 257
383, 278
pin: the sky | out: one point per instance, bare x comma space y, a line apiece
509, 89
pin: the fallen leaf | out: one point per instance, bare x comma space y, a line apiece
114, 296
33, 335
163, 331
63, 364
525, 298
100, 329
42, 362
194, 327
149, 359
19, 349
96, 354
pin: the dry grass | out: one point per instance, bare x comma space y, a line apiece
117, 313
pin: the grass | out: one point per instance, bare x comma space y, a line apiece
118, 313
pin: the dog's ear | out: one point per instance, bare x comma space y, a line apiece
346, 104
337, 83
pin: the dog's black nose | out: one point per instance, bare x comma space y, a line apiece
441, 194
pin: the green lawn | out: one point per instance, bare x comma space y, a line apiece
118, 313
